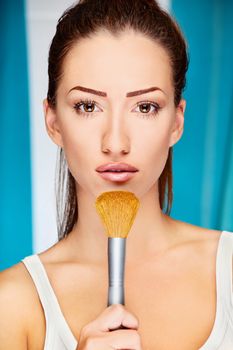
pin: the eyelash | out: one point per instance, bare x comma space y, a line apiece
82, 102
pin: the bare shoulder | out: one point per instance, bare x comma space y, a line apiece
196, 239
15, 281
16, 301
197, 247
195, 233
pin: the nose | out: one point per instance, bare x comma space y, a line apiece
115, 140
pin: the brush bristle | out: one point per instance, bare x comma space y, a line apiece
117, 210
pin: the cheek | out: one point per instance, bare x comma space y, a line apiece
154, 148
77, 145
156, 136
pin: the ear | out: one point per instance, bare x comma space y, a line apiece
51, 123
178, 125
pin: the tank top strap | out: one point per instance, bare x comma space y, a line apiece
224, 268
52, 310
224, 306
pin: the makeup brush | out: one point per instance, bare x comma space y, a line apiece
117, 210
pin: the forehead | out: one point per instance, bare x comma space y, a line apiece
106, 61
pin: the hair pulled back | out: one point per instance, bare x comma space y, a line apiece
83, 20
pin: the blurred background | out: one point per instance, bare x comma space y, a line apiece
203, 159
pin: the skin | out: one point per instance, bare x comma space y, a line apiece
117, 131
173, 262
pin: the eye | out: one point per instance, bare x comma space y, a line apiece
85, 107
146, 106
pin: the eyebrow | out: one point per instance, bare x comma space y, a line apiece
129, 94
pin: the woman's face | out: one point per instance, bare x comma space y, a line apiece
116, 125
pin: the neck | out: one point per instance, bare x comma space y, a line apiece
150, 233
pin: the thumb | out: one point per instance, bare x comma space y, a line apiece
116, 316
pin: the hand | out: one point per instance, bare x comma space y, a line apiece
104, 334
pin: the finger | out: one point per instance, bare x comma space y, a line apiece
119, 317
124, 339
114, 317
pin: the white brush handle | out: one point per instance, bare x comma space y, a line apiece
116, 270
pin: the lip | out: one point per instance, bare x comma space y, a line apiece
116, 166
117, 177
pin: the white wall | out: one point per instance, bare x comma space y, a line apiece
41, 24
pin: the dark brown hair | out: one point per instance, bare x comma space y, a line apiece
84, 19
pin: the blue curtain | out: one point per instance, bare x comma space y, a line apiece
203, 159
15, 178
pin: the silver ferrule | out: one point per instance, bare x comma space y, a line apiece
116, 270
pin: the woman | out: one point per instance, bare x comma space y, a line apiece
116, 76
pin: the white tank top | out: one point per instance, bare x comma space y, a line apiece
60, 337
